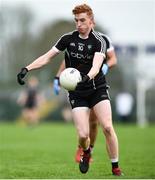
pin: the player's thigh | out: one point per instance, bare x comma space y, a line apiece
81, 120
92, 117
103, 112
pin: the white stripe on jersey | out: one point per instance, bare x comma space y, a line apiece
111, 47
100, 38
69, 33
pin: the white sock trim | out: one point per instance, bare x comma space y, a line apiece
114, 160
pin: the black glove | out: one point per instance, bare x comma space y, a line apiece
81, 84
21, 75
85, 78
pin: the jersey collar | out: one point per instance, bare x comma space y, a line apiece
86, 36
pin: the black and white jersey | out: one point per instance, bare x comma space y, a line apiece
81, 51
109, 44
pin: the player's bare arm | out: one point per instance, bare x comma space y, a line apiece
111, 58
111, 61
97, 62
36, 64
42, 60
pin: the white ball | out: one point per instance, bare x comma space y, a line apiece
69, 78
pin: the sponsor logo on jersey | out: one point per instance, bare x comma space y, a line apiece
81, 56
72, 44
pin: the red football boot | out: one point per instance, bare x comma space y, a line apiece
79, 154
117, 171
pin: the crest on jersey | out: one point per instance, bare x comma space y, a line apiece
89, 46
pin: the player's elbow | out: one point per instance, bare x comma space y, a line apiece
113, 62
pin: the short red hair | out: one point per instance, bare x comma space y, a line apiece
83, 8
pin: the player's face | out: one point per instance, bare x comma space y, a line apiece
84, 23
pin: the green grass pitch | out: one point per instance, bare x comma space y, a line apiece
47, 152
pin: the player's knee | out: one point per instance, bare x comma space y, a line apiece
108, 130
83, 135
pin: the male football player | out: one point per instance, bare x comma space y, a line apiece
86, 49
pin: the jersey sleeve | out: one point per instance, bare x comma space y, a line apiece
110, 46
101, 45
62, 43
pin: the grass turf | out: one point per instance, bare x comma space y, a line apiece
47, 152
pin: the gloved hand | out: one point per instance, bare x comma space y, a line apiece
85, 78
56, 86
81, 84
21, 75
105, 69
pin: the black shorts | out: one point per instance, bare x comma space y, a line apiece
90, 100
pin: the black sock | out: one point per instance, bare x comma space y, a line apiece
114, 164
87, 151
91, 146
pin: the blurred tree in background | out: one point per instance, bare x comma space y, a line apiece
15, 42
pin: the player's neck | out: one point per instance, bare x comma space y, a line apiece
85, 35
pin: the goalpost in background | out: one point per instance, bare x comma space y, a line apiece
145, 65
